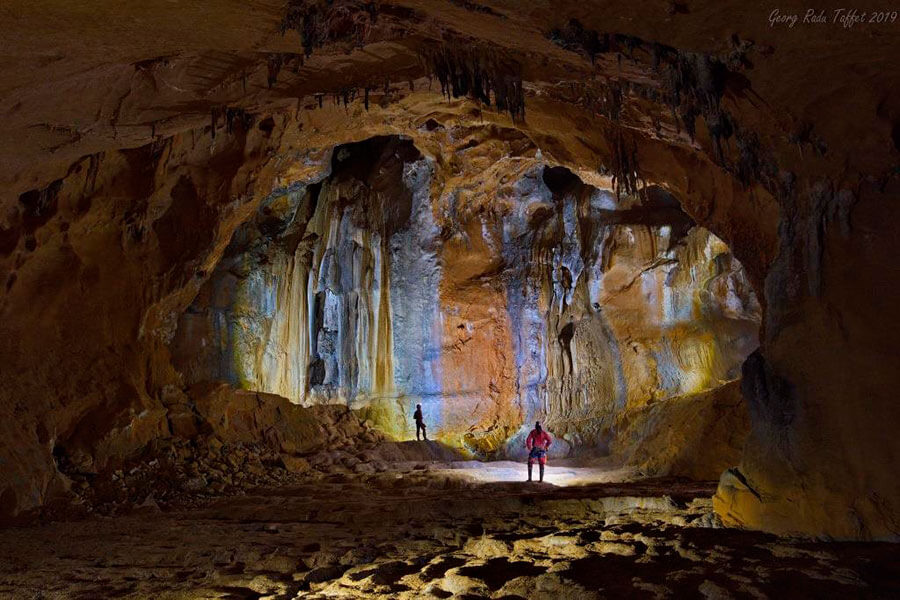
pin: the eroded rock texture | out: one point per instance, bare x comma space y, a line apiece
401, 536
139, 141
380, 286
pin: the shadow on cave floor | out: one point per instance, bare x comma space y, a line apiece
436, 532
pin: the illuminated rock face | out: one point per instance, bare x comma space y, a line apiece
130, 154
373, 284
620, 304
330, 294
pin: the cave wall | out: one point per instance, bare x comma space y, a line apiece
379, 287
629, 304
102, 263
697, 436
822, 447
81, 89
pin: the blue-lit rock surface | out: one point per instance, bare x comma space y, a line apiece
382, 281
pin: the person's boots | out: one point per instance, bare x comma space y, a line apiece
529, 471
542, 472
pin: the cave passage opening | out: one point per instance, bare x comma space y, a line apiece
227, 279
385, 280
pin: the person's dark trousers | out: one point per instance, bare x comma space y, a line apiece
541, 468
539, 455
422, 427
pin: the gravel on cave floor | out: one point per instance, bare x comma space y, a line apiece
440, 533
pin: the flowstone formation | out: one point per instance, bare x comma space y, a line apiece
140, 139
378, 284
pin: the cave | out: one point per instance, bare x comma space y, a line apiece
242, 243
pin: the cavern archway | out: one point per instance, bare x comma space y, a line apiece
372, 285
240, 241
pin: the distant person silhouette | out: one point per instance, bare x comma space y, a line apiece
420, 423
538, 442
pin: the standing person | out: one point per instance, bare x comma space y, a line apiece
538, 442
420, 423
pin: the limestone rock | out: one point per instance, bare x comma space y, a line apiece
131, 155
295, 464
697, 436
490, 318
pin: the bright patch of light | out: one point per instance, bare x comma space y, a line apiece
512, 472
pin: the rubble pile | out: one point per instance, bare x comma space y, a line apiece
282, 445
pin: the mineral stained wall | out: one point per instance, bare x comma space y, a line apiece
374, 284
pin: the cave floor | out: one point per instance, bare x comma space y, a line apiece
424, 532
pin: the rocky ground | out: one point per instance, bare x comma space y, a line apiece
244, 453
420, 528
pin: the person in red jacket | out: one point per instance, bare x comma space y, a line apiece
538, 442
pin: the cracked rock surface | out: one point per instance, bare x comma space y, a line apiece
140, 140
437, 532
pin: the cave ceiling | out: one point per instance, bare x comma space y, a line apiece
137, 138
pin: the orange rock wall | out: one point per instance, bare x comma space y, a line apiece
781, 142
380, 285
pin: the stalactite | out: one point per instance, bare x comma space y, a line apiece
239, 116
479, 73
478, 8
214, 114
320, 22
274, 62
90, 180
623, 148
693, 85
39, 205
362, 306
573, 36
